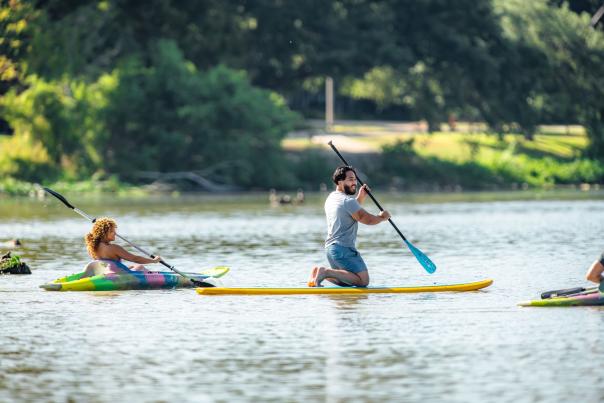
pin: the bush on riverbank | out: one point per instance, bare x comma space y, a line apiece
14, 187
13, 265
419, 162
159, 115
402, 166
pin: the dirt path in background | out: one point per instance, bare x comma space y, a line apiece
345, 143
348, 135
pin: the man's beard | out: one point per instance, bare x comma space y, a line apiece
348, 190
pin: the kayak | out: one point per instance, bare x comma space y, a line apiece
591, 298
343, 290
132, 280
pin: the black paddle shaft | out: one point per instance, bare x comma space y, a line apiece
567, 292
368, 192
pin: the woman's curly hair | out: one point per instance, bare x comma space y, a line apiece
99, 231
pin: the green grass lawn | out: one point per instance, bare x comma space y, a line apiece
553, 141
554, 156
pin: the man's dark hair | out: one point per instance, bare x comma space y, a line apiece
340, 173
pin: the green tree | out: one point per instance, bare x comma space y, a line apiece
17, 26
571, 58
169, 116
62, 118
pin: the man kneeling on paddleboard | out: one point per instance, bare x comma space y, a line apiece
343, 213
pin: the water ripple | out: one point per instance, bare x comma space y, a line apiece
177, 346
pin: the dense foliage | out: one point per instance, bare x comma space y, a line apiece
402, 167
116, 87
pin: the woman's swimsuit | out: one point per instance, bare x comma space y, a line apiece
116, 266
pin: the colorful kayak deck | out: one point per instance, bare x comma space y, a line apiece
344, 290
133, 280
582, 299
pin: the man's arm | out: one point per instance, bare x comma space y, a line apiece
366, 218
362, 194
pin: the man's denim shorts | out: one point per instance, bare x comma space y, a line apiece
345, 257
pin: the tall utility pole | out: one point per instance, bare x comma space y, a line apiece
328, 103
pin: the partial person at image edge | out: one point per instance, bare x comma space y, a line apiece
594, 273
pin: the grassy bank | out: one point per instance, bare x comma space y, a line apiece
402, 156
13, 187
407, 159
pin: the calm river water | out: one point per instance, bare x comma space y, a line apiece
175, 345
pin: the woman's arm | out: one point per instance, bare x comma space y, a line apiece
124, 254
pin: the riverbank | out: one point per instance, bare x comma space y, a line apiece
18, 207
402, 157
406, 157
11, 187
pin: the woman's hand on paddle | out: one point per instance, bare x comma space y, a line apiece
156, 259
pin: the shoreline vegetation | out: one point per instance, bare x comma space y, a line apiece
394, 156
95, 98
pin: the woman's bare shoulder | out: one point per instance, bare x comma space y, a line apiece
109, 250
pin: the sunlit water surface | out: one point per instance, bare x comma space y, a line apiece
175, 345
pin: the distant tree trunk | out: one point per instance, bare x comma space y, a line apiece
433, 126
595, 133
528, 130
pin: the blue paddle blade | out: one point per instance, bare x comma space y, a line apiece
421, 258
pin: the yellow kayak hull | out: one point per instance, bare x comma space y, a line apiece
344, 290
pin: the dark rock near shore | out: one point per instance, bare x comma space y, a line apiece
13, 265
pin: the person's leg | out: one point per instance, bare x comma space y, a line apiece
138, 267
342, 277
95, 268
329, 253
336, 282
347, 268
594, 273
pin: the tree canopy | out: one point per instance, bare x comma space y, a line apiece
126, 86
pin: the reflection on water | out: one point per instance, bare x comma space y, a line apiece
171, 345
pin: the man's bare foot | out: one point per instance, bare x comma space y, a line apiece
317, 277
313, 275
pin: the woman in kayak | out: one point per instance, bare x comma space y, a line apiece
595, 271
98, 243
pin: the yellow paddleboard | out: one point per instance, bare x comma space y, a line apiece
343, 290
